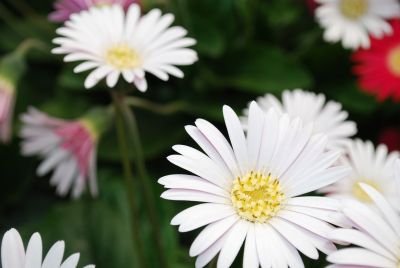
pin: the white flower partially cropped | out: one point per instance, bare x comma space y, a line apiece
250, 190
13, 254
326, 116
352, 21
112, 43
376, 237
372, 166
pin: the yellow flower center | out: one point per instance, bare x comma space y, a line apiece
360, 194
257, 197
394, 61
122, 56
353, 9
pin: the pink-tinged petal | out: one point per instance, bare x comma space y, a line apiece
67, 147
7, 101
63, 9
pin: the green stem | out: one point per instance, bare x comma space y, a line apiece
128, 175
30, 43
144, 180
165, 109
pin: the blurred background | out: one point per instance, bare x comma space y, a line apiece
246, 48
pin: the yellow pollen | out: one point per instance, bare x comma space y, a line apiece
394, 61
122, 57
360, 194
353, 9
257, 197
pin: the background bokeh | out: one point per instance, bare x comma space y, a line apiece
246, 48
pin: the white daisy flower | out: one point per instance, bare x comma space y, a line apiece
13, 254
115, 43
250, 190
352, 21
376, 237
326, 116
372, 166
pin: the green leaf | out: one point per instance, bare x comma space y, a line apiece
353, 99
263, 68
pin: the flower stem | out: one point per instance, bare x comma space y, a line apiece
144, 180
165, 109
128, 175
30, 43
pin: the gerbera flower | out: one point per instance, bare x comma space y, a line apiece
67, 147
352, 21
376, 237
13, 254
65, 8
372, 166
114, 43
250, 190
326, 116
378, 68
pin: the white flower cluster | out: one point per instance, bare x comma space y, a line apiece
257, 186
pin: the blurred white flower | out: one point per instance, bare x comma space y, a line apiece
115, 43
376, 237
352, 21
251, 190
68, 147
369, 166
13, 254
326, 116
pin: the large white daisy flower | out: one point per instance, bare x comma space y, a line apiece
372, 166
115, 43
376, 237
351, 21
250, 188
326, 116
13, 254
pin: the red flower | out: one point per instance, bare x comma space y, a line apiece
312, 5
391, 137
378, 68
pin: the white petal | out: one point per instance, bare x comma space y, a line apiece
12, 250
71, 261
210, 234
33, 257
237, 137
358, 256
54, 256
250, 257
220, 144
203, 214
233, 243
295, 236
